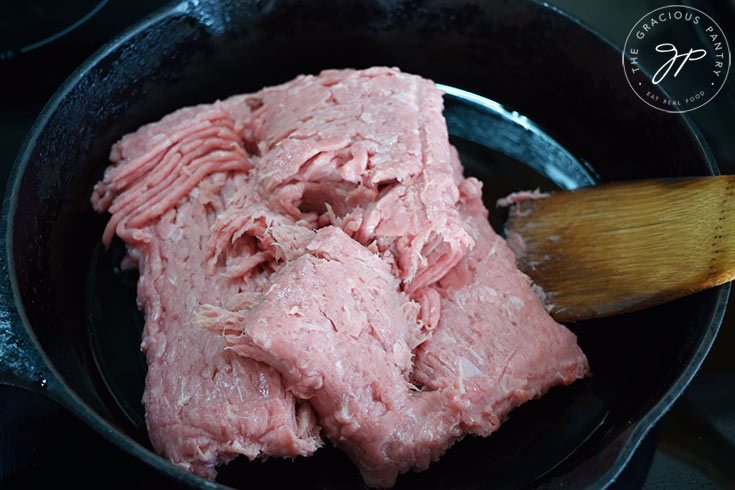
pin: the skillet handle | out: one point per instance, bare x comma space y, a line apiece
21, 363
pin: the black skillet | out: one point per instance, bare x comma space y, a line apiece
69, 327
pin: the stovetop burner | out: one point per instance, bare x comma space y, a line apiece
42, 444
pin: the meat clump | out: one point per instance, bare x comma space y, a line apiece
313, 262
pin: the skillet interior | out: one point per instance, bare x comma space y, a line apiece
523, 55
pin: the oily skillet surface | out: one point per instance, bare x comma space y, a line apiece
65, 297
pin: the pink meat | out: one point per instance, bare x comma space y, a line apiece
311, 255
336, 325
366, 151
495, 340
204, 405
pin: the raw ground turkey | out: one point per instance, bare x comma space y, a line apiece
313, 262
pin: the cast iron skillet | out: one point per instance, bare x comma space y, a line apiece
69, 325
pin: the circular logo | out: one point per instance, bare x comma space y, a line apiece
676, 58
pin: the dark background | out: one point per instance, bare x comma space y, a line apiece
42, 42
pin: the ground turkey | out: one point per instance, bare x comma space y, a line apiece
313, 260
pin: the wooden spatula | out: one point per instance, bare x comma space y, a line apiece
617, 248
